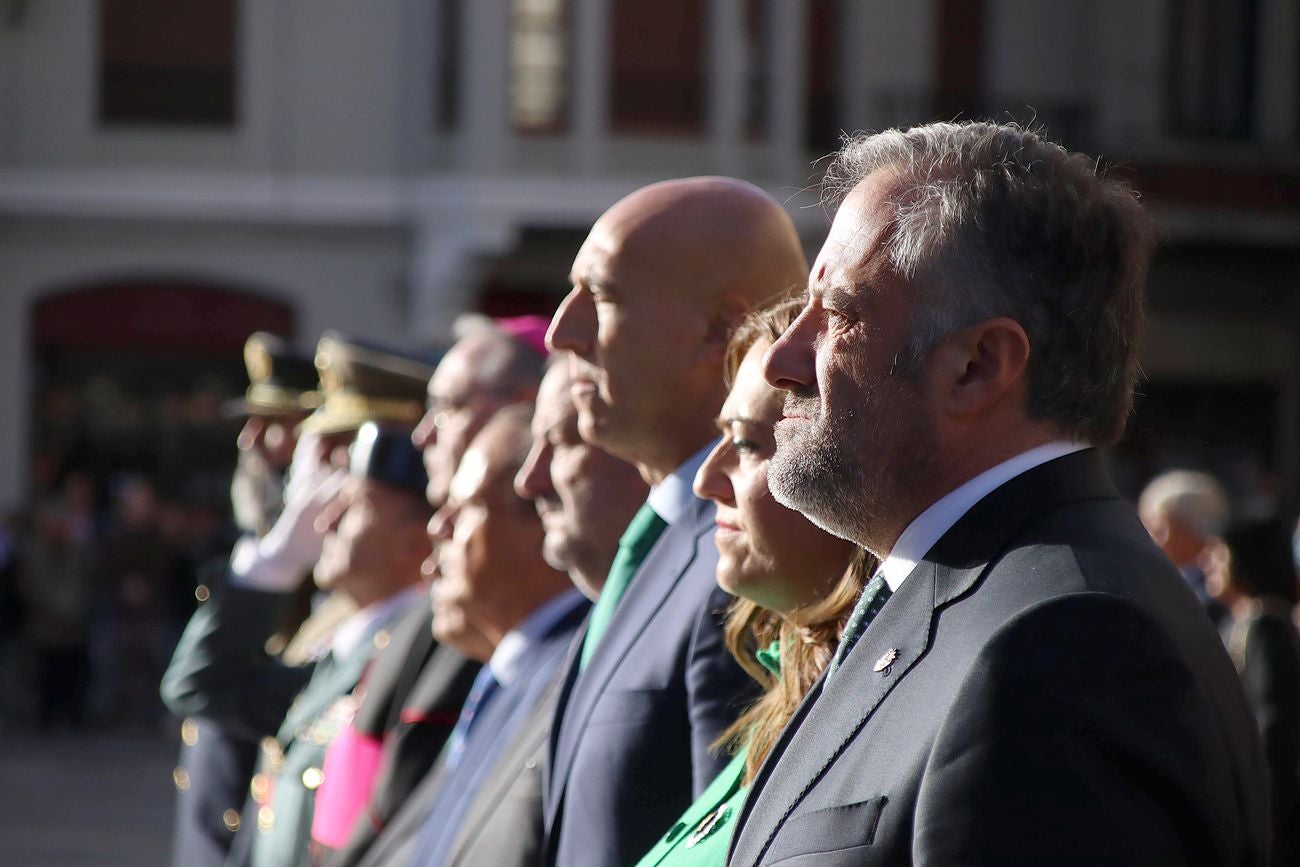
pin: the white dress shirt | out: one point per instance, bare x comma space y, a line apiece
515, 643
929, 526
671, 497
356, 629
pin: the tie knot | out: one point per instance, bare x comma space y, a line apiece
642, 531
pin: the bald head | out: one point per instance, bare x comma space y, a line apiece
657, 286
707, 237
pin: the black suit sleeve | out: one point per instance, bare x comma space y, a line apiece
1271, 677
1073, 740
221, 670
718, 690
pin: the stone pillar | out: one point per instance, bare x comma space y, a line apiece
415, 66
1128, 74
485, 86
788, 90
728, 74
1277, 76
589, 113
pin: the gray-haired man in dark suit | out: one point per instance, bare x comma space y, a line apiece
1026, 680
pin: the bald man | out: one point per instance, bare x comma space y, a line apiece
657, 287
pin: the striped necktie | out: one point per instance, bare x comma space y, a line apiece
485, 686
638, 538
873, 598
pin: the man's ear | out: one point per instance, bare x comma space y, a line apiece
726, 314
414, 541
981, 366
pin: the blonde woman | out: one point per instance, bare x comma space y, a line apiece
795, 586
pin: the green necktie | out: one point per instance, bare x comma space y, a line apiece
636, 542
873, 598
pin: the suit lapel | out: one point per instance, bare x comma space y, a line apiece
828, 720
828, 725
563, 693
532, 734
650, 588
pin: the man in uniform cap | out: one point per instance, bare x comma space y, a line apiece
283, 389
374, 545
215, 764
412, 702
360, 382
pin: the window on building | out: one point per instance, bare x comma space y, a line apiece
658, 67
446, 111
168, 63
539, 68
1211, 68
822, 133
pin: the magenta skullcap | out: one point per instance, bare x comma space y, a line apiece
531, 329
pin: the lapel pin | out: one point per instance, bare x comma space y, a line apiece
886, 660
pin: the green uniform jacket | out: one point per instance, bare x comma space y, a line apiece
221, 671
285, 791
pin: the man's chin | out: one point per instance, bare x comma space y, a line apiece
325, 579
591, 426
556, 553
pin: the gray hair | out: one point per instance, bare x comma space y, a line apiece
503, 364
994, 221
1195, 500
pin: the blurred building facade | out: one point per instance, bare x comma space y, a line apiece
173, 176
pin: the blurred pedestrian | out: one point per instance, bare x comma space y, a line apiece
57, 587
1250, 574
1184, 511
137, 579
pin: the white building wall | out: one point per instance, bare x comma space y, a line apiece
318, 91
887, 62
334, 192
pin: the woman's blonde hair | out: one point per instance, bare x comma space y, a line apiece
806, 636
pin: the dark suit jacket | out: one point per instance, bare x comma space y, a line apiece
220, 671
1265, 651
502, 823
413, 697
217, 766
631, 746
1057, 696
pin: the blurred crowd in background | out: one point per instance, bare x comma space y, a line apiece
99, 571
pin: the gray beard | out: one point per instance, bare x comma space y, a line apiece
818, 483
854, 477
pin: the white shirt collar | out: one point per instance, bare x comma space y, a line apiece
929, 527
358, 628
673, 495
505, 658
